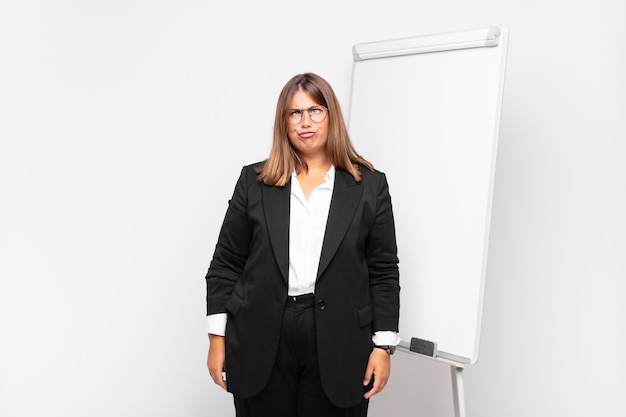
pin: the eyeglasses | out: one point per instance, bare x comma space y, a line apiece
316, 113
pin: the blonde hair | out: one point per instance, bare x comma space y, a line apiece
284, 159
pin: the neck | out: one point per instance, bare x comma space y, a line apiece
318, 164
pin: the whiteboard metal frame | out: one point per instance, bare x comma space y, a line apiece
492, 36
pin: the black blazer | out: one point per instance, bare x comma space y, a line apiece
356, 292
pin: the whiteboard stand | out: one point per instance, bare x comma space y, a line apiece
456, 378
458, 391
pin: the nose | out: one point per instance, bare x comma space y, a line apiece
306, 118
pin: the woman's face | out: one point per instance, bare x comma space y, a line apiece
307, 136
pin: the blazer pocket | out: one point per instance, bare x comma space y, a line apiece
366, 315
234, 303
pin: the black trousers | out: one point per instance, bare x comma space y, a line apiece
295, 389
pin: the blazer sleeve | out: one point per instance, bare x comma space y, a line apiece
231, 251
382, 262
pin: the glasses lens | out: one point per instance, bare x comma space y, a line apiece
294, 116
318, 114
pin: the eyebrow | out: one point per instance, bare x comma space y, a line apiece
307, 108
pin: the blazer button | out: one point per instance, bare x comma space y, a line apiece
321, 304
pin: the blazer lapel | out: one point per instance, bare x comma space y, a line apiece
346, 196
276, 203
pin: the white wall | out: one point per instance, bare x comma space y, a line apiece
123, 125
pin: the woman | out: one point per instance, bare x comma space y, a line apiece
303, 288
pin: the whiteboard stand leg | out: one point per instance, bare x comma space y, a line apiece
458, 391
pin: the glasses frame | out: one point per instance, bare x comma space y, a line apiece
302, 111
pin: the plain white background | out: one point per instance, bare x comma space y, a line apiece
123, 125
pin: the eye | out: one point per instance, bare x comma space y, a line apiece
295, 112
316, 110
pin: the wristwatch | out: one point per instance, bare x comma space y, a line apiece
390, 349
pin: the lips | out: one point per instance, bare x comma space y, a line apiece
306, 135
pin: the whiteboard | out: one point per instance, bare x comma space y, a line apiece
426, 111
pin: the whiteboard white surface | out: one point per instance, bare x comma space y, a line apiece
430, 122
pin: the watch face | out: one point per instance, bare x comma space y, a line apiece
389, 349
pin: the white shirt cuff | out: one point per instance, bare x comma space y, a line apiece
386, 338
216, 324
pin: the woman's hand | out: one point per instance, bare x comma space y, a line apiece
216, 358
379, 368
